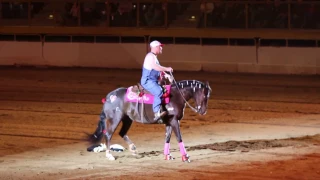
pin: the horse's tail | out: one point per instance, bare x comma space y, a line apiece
100, 131
97, 136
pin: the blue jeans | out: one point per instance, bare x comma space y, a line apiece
155, 89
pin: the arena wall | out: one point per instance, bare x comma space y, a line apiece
28, 53
244, 59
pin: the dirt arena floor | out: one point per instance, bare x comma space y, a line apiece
257, 127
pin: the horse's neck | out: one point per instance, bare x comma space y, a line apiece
187, 93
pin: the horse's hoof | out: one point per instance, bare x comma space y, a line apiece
102, 147
168, 157
133, 149
186, 158
110, 157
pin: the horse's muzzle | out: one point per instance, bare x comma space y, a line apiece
198, 108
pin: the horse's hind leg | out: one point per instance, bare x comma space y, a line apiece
166, 150
112, 124
126, 124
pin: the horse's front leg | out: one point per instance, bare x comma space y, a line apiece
176, 129
126, 124
166, 150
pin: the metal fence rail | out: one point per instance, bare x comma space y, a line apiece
213, 14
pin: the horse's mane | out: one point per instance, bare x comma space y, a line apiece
188, 83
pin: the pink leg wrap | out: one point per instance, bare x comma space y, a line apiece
166, 150
182, 149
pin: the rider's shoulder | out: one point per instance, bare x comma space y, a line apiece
150, 56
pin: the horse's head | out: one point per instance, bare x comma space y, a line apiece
201, 97
198, 91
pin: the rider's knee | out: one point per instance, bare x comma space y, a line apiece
159, 93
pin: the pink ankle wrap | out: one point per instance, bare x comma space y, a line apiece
166, 150
182, 149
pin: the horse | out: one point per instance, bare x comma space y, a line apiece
135, 104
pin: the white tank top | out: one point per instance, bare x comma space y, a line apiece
147, 62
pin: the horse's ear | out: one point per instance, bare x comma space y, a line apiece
208, 86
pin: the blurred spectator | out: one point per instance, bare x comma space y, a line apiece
234, 16
274, 14
123, 13
87, 13
74, 12
224, 13
15, 10
219, 14
154, 15
297, 15
279, 15
310, 17
1, 11
206, 8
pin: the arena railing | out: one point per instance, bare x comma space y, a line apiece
201, 41
233, 14
229, 22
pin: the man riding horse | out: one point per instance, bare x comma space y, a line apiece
128, 104
151, 71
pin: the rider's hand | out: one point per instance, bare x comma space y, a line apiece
170, 78
169, 69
